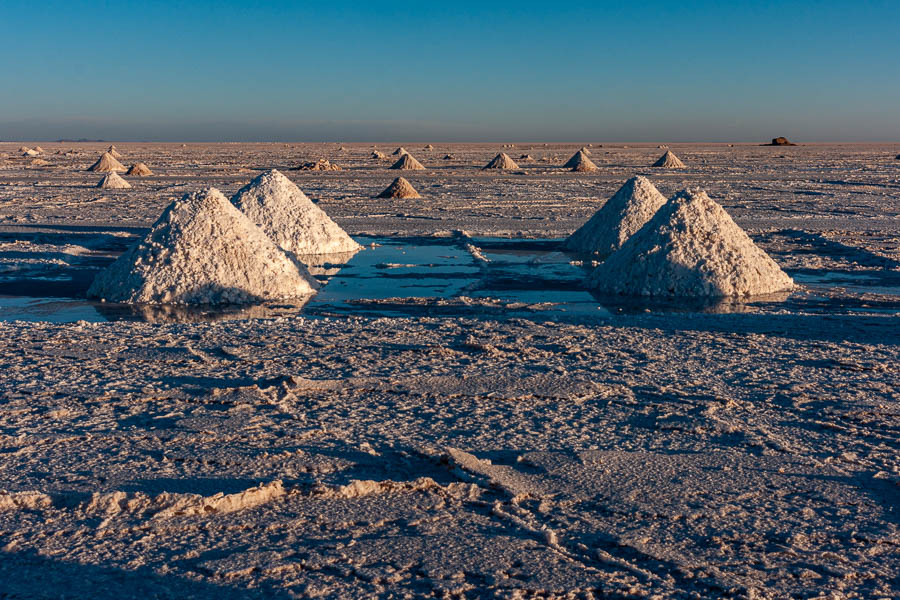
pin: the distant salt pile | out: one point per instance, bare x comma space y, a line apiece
113, 152
106, 164
39, 162
30, 152
501, 161
400, 188
289, 218
448, 157
626, 212
669, 161
408, 163
429, 147
690, 248
378, 155
38, 149
525, 157
323, 164
399, 151
780, 141
203, 250
584, 150
113, 181
139, 169
580, 163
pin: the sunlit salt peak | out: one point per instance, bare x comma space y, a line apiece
501, 161
203, 250
113, 180
669, 161
289, 218
627, 211
690, 248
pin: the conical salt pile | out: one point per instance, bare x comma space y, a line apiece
139, 169
401, 188
625, 213
203, 250
585, 150
690, 248
378, 155
501, 161
580, 163
112, 181
289, 218
669, 161
323, 164
31, 152
407, 163
113, 152
429, 147
106, 164
399, 151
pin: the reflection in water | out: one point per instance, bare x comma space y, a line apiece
325, 265
440, 276
181, 313
642, 304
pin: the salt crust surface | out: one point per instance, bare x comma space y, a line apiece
289, 217
203, 250
627, 211
690, 248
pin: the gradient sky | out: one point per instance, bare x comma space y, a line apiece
489, 71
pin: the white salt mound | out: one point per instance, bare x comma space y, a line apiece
669, 161
690, 248
580, 163
399, 151
408, 163
30, 152
139, 169
400, 188
289, 217
113, 181
625, 213
106, 164
378, 155
501, 161
113, 152
203, 250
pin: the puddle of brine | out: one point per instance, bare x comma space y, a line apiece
473, 277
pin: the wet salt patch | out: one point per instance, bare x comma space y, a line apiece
438, 276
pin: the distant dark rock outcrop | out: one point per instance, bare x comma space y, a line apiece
780, 141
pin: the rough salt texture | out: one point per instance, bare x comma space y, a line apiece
114, 181
626, 212
289, 218
580, 163
669, 161
501, 161
690, 248
203, 250
106, 163
400, 188
407, 163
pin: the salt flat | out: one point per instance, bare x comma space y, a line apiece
748, 453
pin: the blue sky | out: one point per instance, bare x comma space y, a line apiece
528, 71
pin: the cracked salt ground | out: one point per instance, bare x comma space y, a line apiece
670, 455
